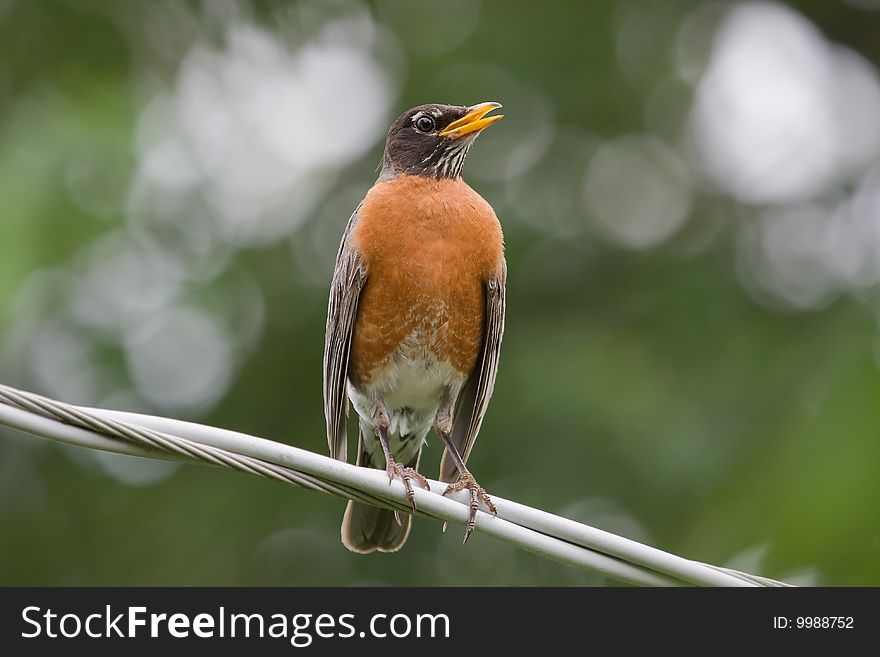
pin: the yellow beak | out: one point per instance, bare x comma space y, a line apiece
473, 121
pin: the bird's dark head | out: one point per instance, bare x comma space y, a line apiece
433, 140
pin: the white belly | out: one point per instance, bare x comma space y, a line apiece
412, 387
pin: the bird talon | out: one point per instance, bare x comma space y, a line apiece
488, 502
406, 475
467, 482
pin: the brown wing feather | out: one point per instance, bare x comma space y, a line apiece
348, 281
474, 397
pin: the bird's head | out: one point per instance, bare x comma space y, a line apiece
433, 140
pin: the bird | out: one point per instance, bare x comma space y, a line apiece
415, 317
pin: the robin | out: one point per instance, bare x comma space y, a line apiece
415, 317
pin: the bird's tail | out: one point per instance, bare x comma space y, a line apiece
368, 528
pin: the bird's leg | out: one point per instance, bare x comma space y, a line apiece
466, 481
405, 473
392, 467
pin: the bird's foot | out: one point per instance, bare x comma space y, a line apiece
467, 482
406, 475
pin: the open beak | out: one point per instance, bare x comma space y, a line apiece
474, 121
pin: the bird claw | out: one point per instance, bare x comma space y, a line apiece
467, 482
406, 475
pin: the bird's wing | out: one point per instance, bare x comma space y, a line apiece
348, 281
474, 398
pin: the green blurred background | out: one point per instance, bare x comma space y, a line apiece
690, 193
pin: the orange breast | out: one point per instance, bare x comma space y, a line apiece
429, 246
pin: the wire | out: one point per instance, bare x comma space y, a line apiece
531, 529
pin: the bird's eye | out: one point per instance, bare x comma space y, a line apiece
425, 124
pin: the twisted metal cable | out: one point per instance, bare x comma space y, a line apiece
166, 444
531, 529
